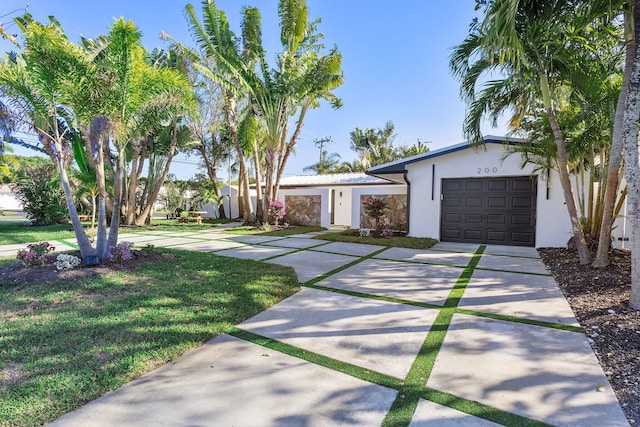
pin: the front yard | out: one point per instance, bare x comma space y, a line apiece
63, 344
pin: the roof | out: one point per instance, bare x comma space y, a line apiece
399, 166
356, 178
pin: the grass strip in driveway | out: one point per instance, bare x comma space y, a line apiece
318, 359
406, 402
445, 399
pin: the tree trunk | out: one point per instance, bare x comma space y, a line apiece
147, 211
289, 149
259, 202
212, 172
84, 244
632, 168
133, 184
243, 178
563, 171
112, 240
615, 154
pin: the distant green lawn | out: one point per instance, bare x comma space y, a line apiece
249, 229
13, 232
66, 344
397, 242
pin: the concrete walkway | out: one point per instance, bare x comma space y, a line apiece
459, 335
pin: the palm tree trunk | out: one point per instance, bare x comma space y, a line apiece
147, 211
563, 170
81, 236
289, 149
615, 154
112, 240
632, 167
259, 202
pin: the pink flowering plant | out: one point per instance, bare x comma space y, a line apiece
121, 252
375, 208
276, 210
36, 253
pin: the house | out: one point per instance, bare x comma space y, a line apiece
8, 199
335, 199
480, 194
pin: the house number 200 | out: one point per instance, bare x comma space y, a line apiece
487, 170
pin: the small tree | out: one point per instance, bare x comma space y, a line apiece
277, 211
42, 199
376, 208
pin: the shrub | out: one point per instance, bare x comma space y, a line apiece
375, 208
65, 262
35, 253
121, 252
42, 199
276, 209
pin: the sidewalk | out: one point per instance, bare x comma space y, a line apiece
453, 336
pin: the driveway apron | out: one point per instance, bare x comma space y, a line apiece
458, 335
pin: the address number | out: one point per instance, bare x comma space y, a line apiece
487, 170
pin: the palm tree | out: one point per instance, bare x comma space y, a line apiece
36, 83
526, 42
327, 163
221, 59
632, 169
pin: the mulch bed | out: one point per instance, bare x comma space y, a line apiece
600, 301
18, 274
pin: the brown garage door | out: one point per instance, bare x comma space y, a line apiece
497, 210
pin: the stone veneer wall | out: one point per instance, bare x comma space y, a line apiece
303, 210
396, 216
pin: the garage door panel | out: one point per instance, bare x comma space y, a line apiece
473, 218
473, 202
497, 219
519, 219
496, 237
452, 185
473, 186
497, 202
473, 235
522, 184
497, 185
497, 210
523, 238
521, 202
455, 218
453, 202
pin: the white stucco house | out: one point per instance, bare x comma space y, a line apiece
476, 194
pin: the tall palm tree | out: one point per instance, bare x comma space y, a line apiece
632, 166
36, 83
221, 58
525, 42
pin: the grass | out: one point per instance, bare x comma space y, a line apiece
249, 229
12, 232
65, 344
396, 242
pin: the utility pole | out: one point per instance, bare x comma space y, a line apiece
319, 143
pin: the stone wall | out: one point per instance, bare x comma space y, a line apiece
303, 210
396, 216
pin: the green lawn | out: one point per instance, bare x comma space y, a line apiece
11, 232
249, 229
398, 242
63, 345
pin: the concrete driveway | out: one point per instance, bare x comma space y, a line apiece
459, 335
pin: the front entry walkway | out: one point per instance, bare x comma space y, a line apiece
459, 335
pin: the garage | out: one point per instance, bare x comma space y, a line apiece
484, 194
493, 210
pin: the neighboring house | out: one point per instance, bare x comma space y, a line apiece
8, 199
477, 194
336, 199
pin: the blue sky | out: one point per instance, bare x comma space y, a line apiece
395, 61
